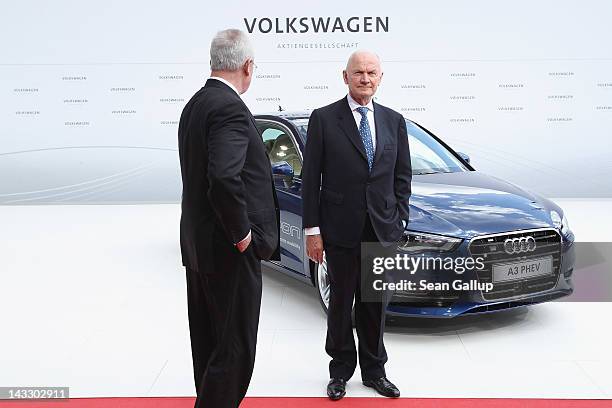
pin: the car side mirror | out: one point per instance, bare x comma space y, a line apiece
283, 171
464, 156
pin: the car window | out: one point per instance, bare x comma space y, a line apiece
279, 146
301, 125
427, 155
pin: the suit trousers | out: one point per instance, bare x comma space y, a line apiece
344, 269
223, 307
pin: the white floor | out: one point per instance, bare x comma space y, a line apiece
93, 297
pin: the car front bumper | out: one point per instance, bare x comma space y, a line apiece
518, 294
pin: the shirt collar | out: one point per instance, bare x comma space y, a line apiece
354, 105
226, 83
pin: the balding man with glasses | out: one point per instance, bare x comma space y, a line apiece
355, 189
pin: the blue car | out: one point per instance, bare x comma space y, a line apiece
455, 211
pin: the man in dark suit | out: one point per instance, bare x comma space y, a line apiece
229, 222
355, 188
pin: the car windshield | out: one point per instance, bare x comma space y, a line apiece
427, 155
302, 126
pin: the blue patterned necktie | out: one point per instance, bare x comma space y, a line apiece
366, 135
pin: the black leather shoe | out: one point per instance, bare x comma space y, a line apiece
336, 389
383, 386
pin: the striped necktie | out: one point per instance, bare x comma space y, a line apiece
366, 135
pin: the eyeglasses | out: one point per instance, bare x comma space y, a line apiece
254, 65
359, 74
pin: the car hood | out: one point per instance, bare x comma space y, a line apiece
466, 204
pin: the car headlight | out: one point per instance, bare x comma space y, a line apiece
421, 242
565, 229
559, 222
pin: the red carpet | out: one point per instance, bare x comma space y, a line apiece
317, 402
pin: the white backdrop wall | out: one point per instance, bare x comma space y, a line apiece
91, 92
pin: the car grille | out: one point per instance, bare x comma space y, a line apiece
491, 248
424, 298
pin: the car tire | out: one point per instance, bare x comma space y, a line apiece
321, 281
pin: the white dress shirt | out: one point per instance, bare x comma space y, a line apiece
370, 115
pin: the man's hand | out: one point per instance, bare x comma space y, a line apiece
244, 244
314, 247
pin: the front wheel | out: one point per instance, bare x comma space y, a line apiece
323, 285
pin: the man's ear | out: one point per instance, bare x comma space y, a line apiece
345, 76
245, 67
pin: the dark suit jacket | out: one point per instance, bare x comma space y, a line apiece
337, 188
227, 180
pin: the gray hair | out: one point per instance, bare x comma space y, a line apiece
229, 50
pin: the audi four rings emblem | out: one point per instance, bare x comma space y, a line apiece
519, 245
